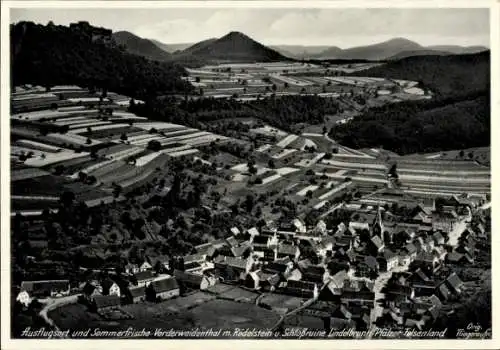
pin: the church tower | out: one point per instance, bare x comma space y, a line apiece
378, 225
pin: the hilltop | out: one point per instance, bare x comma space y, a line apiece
139, 46
447, 76
87, 56
234, 46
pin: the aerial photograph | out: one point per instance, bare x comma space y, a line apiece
250, 173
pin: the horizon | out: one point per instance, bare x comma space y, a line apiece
287, 27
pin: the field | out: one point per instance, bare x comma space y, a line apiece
217, 314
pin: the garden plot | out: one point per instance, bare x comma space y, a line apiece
308, 162
182, 131
243, 168
304, 191
287, 140
286, 170
27, 173
203, 140
158, 126
69, 138
50, 114
414, 91
17, 151
269, 131
51, 158
263, 148
353, 165
335, 190
147, 158
291, 81
89, 124
108, 126
183, 153
406, 83
144, 141
283, 153
37, 145
72, 120
271, 178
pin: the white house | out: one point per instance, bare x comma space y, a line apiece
24, 298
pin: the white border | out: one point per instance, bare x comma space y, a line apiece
8, 343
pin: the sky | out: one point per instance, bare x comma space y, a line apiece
286, 26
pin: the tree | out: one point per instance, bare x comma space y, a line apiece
154, 145
271, 164
123, 137
393, 171
461, 153
67, 198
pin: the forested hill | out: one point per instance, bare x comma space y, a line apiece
410, 127
457, 116
446, 76
87, 56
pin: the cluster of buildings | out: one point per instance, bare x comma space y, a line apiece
344, 271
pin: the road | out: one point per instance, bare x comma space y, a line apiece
305, 305
381, 281
54, 303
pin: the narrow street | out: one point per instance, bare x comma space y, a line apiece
53, 303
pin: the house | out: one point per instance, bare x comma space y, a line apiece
24, 298
454, 283
445, 221
231, 268
105, 302
456, 258
300, 225
315, 273
288, 250
411, 250
160, 263
295, 275
265, 253
90, 290
145, 266
262, 280
252, 233
387, 260
438, 238
162, 289
428, 262
192, 258
188, 280
334, 287
144, 278
439, 252
397, 292
443, 292
235, 231
375, 245
281, 266
302, 289
109, 287
357, 292
45, 288
136, 294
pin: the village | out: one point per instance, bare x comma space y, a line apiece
370, 270
334, 239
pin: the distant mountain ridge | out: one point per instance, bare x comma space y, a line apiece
139, 46
396, 48
236, 46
